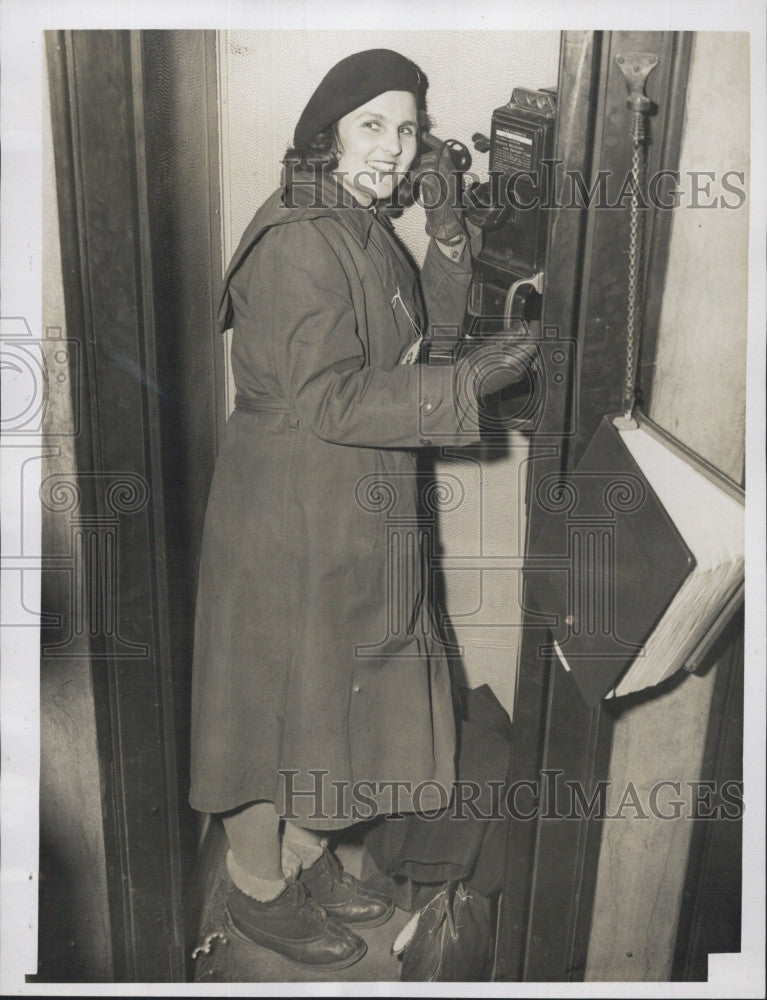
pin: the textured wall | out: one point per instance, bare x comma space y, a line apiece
699, 385
266, 79
699, 396
268, 76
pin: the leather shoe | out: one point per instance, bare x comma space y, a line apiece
295, 927
343, 896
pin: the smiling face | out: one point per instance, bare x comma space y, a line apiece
377, 143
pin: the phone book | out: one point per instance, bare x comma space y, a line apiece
639, 562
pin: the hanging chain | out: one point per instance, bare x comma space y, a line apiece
640, 137
636, 67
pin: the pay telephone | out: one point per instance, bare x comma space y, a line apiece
510, 208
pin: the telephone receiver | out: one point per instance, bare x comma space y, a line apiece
458, 152
482, 209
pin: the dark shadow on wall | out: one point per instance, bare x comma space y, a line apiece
72, 944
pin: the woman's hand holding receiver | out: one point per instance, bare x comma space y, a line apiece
438, 187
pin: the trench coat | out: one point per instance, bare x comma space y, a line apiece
319, 673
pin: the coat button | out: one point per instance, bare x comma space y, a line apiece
427, 407
426, 441
356, 689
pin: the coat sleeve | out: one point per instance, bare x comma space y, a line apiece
320, 359
445, 284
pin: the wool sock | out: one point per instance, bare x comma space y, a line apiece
262, 889
301, 848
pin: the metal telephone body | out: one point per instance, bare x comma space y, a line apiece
505, 296
512, 208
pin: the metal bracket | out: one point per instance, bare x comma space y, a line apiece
636, 67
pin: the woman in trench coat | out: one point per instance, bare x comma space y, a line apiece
321, 690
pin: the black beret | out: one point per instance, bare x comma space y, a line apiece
353, 82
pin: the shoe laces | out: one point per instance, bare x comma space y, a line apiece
302, 899
338, 877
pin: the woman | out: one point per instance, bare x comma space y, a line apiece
317, 667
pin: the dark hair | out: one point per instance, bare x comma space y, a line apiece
319, 154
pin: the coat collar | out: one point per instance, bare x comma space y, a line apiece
322, 196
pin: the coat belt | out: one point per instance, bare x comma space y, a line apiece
265, 404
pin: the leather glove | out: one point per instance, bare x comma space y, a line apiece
502, 375
438, 187
497, 365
